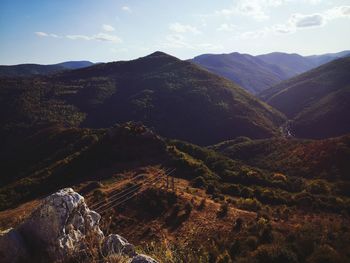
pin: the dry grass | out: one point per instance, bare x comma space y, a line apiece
12, 217
155, 238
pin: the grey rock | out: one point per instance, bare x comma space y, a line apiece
116, 244
59, 227
12, 247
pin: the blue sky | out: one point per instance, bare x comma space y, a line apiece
51, 31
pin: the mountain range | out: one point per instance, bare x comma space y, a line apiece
27, 70
257, 73
177, 98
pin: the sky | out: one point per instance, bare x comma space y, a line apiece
52, 31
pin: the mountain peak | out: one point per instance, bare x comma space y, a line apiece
159, 54
158, 58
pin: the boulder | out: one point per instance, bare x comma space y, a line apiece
64, 229
116, 244
61, 226
12, 247
143, 259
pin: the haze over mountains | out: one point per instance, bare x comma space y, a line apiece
257, 73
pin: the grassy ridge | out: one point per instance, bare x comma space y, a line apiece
327, 159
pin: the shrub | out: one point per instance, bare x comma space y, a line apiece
303, 200
188, 208
202, 204
223, 210
250, 204
279, 177
171, 198
251, 242
224, 258
266, 235
247, 192
237, 226
232, 189
324, 254
98, 195
274, 254
90, 186
211, 189
235, 248
173, 214
318, 187
198, 182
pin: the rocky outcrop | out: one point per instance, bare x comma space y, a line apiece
62, 228
117, 244
62, 225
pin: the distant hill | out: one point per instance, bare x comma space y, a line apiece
317, 101
177, 98
327, 159
26, 70
290, 64
322, 59
75, 64
294, 64
248, 71
257, 73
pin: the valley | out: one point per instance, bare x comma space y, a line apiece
249, 185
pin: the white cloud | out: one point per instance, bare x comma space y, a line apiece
106, 37
282, 29
254, 8
226, 27
338, 12
102, 36
314, 2
181, 28
78, 37
54, 36
126, 9
107, 28
257, 9
176, 41
225, 12
318, 19
299, 20
254, 34
99, 37
41, 34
